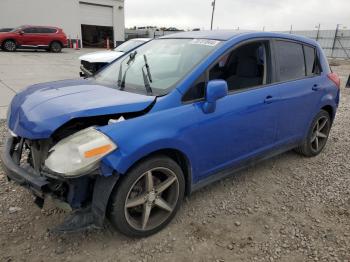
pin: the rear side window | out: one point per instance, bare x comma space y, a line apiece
290, 57
311, 61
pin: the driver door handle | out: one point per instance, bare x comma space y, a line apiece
270, 99
315, 87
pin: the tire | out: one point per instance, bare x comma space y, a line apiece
55, 47
134, 197
317, 135
9, 46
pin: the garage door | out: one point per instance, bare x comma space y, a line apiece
96, 15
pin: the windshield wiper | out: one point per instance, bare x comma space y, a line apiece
121, 77
147, 78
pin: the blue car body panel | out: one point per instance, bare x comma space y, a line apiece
243, 126
40, 109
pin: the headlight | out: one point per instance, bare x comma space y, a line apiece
79, 153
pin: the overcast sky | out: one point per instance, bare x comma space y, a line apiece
247, 14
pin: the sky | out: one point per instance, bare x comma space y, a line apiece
245, 14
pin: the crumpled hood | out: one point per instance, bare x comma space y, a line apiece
101, 56
36, 112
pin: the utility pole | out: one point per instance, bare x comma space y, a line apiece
318, 31
335, 38
291, 29
212, 15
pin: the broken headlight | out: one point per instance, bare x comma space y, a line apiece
79, 153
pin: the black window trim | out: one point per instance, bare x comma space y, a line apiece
271, 58
276, 66
30, 27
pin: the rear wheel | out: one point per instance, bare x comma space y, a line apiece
9, 46
55, 47
148, 197
317, 135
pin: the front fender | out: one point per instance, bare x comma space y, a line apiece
121, 161
141, 136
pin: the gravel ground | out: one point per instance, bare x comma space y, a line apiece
288, 208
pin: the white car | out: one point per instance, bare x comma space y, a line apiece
92, 62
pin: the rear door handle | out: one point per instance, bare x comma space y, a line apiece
270, 99
315, 87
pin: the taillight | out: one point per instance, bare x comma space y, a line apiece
335, 78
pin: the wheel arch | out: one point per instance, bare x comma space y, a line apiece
55, 40
179, 157
7, 39
330, 110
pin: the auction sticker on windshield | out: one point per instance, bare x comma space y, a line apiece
207, 42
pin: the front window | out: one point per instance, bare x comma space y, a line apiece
156, 67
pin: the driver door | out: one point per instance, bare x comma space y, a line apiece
243, 124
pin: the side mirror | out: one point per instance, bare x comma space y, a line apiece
216, 89
21, 32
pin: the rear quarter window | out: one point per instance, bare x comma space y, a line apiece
290, 57
311, 61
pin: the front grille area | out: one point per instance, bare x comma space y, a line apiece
30, 153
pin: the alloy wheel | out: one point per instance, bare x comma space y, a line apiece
152, 199
10, 46
320, 134
55, 47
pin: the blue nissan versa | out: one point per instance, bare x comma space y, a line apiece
166, 119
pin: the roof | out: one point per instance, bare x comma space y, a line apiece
41, 26
224, 35
206, 34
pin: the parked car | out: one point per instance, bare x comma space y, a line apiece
34, 37
172, 116
2, 30
92, 62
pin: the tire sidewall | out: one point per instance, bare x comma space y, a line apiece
116, 213
309, 149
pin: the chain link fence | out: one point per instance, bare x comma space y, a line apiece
335, 43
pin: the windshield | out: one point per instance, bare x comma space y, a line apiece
155, 68
17, 28
128, 45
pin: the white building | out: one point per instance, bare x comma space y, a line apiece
89, 20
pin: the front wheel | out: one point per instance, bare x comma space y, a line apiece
9, 46
317, 135
148, 197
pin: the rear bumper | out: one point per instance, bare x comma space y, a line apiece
38, 184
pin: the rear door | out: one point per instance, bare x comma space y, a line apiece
45, 36
298, 78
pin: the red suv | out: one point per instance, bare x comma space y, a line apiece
34, 37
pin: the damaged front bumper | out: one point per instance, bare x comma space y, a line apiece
95, 192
